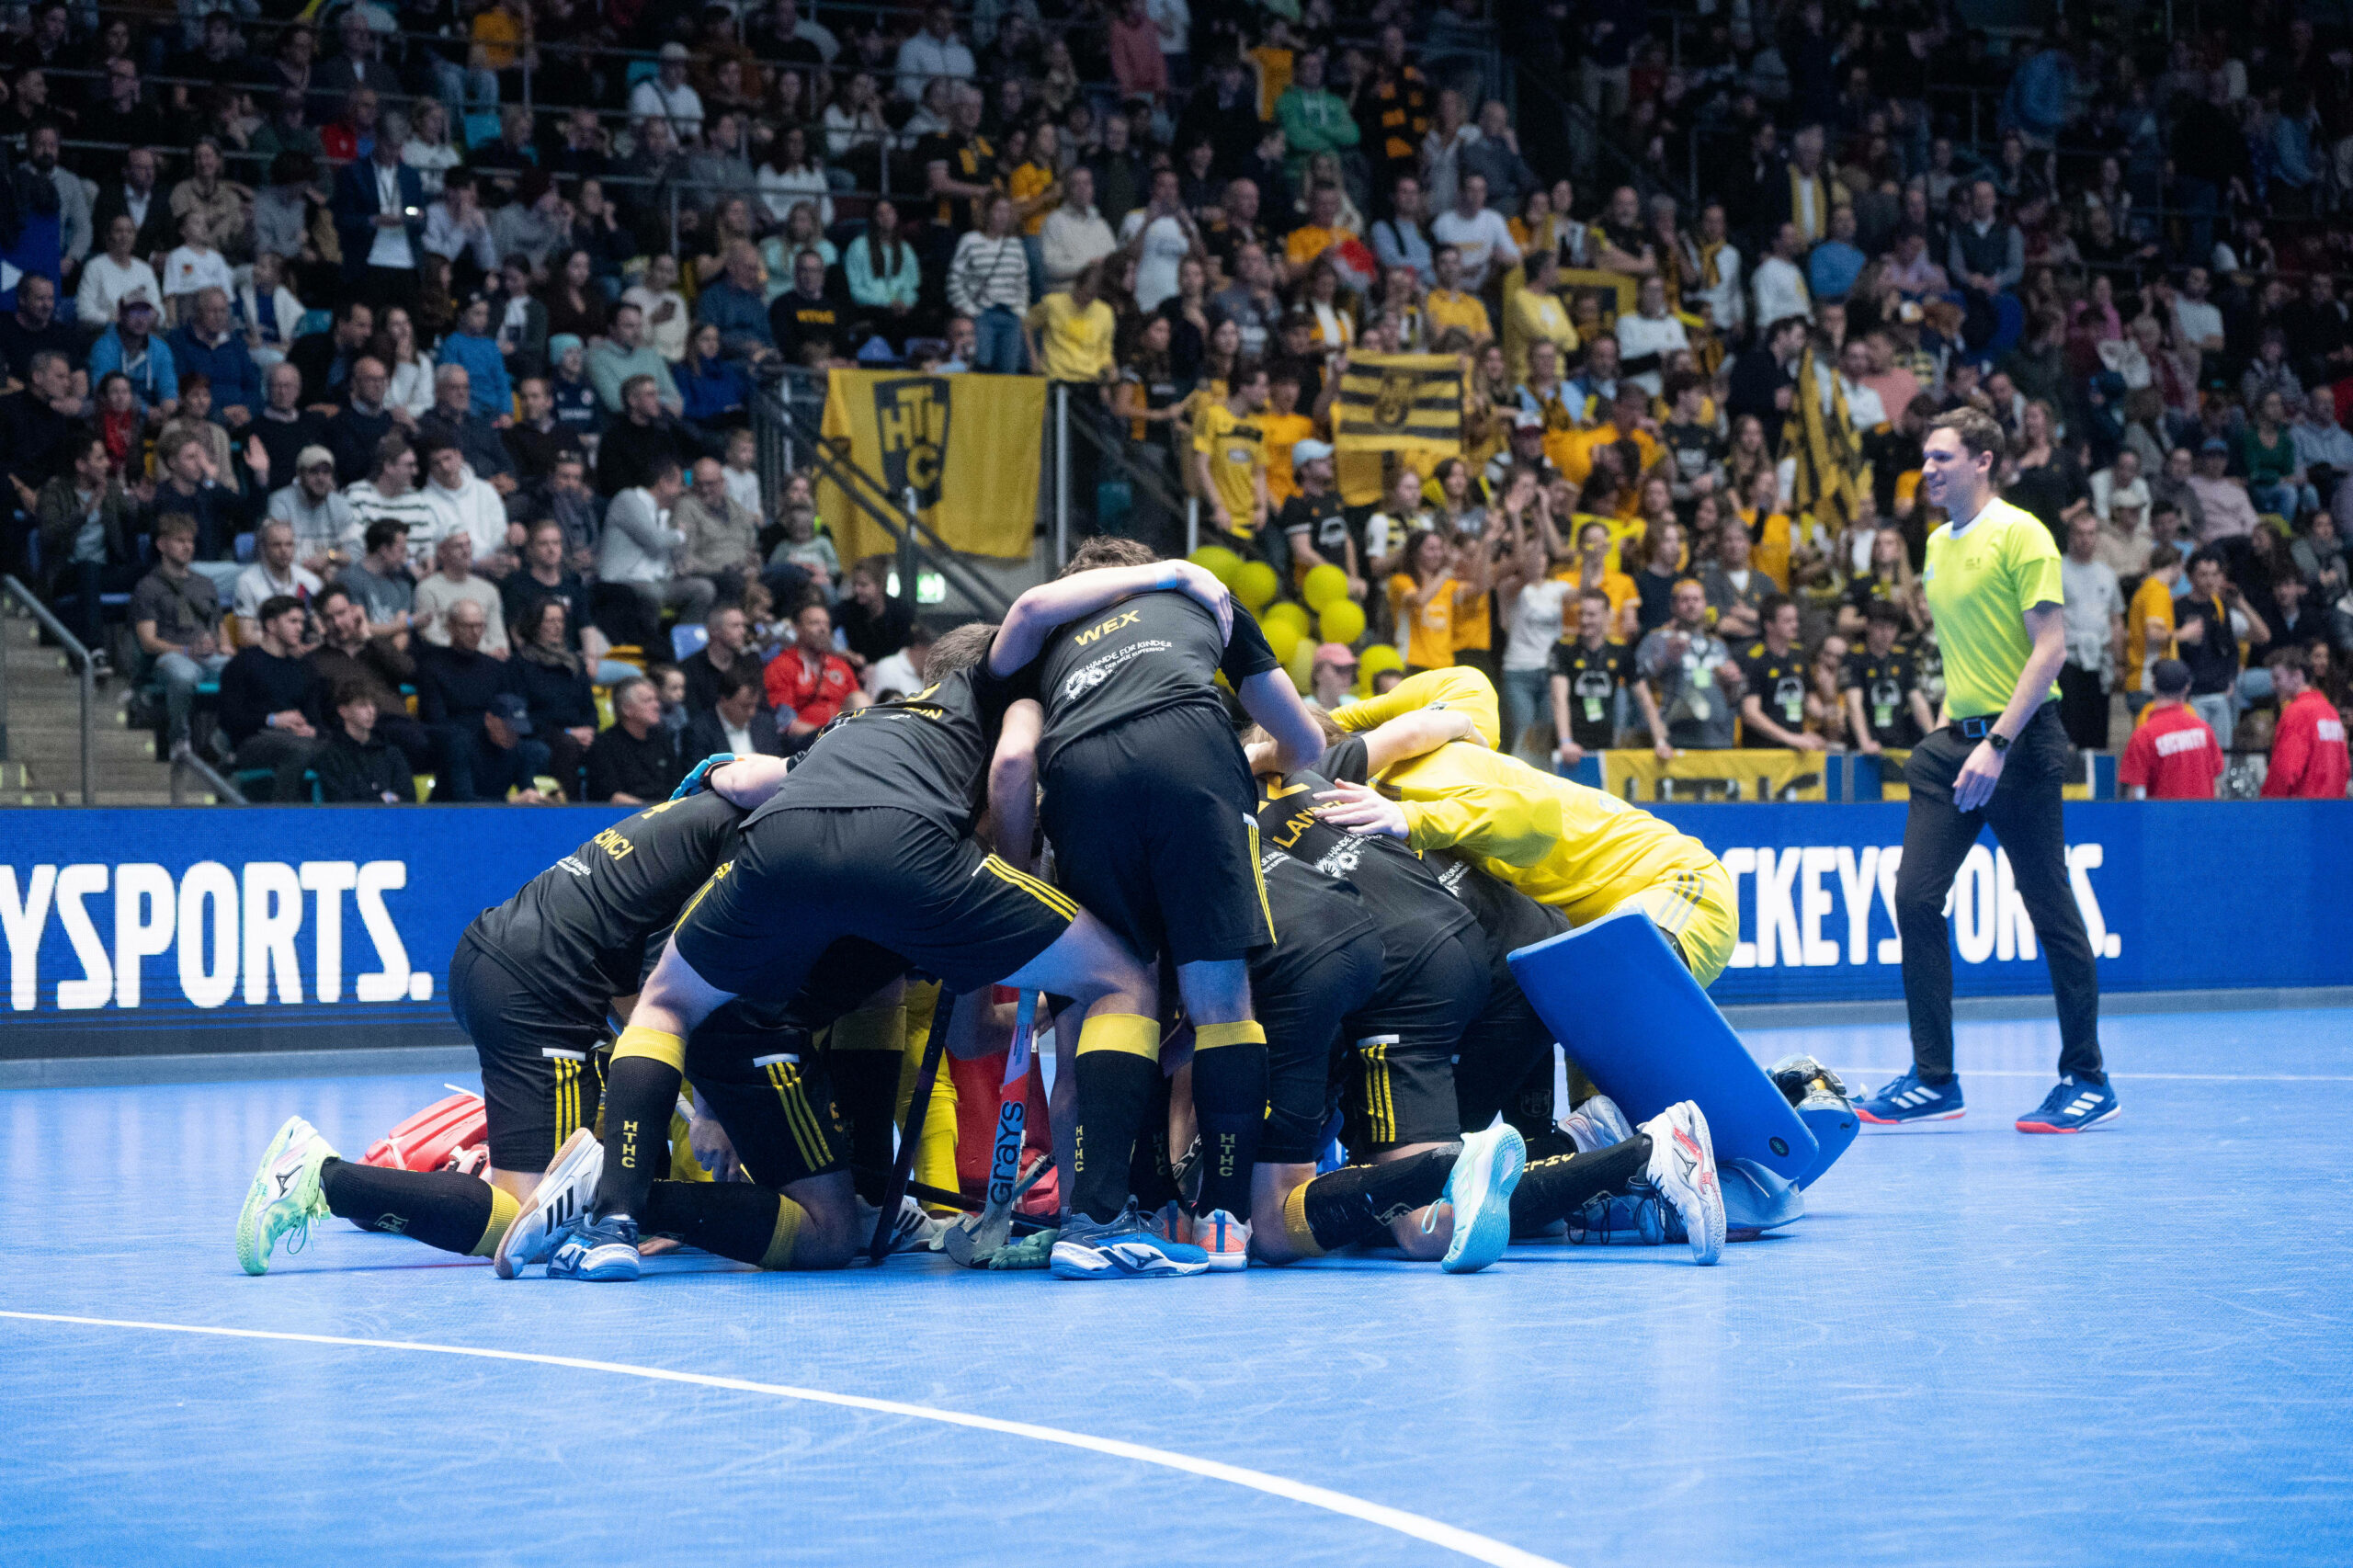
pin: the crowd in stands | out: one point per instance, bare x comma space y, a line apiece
442, 323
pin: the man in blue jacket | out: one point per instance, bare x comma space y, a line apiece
380, 217
206, 342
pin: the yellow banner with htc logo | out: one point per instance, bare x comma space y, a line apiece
967, 447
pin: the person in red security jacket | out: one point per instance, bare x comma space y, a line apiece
809, 680
2173, 755
2308, 760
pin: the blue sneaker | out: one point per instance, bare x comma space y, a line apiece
597, 1249
1124, 1248
2073, 1105
1480, 1187
1908, 1100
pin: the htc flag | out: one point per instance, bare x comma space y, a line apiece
1400, 403
967, 446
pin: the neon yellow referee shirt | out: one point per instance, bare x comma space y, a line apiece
1980, 585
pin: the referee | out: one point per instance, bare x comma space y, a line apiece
1992, 579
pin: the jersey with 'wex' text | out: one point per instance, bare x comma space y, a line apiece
1142, 655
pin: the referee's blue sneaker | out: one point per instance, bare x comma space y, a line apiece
2075, 1105
1907, 1100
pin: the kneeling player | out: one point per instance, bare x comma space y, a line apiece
1490, 1036
531, 983
867, 838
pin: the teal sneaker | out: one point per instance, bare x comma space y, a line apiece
285, 1197
1480, 1188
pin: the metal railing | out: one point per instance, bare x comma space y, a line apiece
11, 589
1172, 509
782, 431
185, 761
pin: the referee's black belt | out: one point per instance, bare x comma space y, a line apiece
1979, 728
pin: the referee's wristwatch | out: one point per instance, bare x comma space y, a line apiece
1998, 741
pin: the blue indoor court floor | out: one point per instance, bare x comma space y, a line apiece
2134, 1347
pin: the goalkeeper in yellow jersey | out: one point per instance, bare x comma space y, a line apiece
1582, 851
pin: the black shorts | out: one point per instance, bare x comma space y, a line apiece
1401, 1079
768, 1087
1505, 1044
1156, 831
805, 880
542, 1073
1303, 1011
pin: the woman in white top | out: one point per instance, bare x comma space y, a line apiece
105, 278
266, 312
802, 232
792, 174
666, 315
412, 385
428, 149
855, 128
195, 266
1532, 605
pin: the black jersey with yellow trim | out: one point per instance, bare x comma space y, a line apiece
1887, 681
1779, 683
1509, 918
1144, 654
577, 934
1411, 910
927, 754
1315, 913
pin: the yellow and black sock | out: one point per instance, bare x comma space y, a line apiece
1357, 1203
862, 1057
1229, 1099
737, 1220
641, 1092
1557, 1187
442, 1208
1116, 1073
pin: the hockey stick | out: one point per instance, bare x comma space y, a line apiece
886, 1221
971, 1241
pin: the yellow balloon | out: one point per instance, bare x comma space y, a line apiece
1218, 561
1378, 658
1342, 621
1290, 614
1282, 637
1255, 584
1323, 584
1302, 666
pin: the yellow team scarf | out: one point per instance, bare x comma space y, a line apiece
1828, 458
1798, 183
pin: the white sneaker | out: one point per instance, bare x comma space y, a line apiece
563, 1195
1224, 1237
1607, 1119
1682, 1170
917, 1230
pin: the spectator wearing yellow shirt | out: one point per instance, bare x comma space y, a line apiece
1447, 305
1281, 427
500, 33
1322, 231
1070, 333
2148, 626
1439, 582
1535, 315
1594, 573
1035, 184
1229, 455
1769, 527
1628, 421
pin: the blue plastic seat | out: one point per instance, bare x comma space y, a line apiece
687, 640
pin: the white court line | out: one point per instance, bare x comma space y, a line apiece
2170, 1077
1477, 1547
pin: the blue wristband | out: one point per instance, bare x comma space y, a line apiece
698, 779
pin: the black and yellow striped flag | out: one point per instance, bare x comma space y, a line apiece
1400, 403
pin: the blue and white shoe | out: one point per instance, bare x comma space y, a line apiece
564, 1193
1480, 1188
2075, 1106
1623, 1219
1907, 1100
598, 1250
1124, 1248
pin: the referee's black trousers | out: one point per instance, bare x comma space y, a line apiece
2025, 816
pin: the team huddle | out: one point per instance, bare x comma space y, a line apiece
1256, 947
